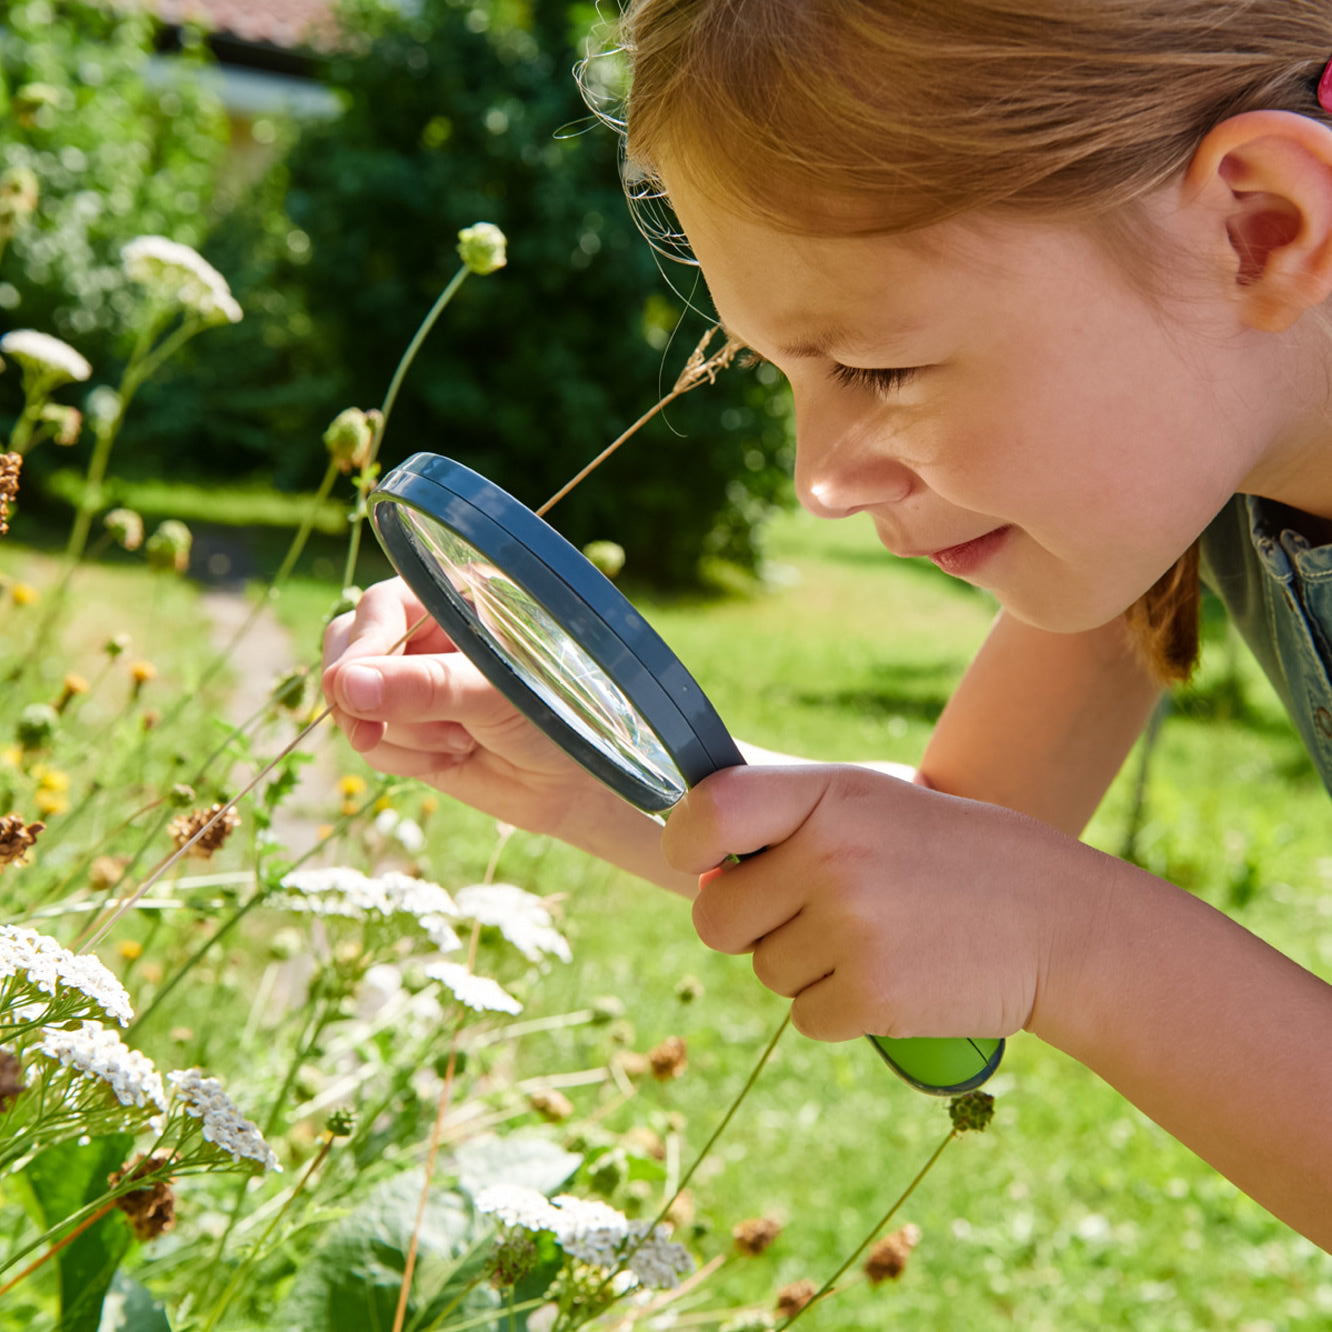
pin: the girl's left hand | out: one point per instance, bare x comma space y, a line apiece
878, 906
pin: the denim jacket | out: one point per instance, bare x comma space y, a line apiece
1278, 590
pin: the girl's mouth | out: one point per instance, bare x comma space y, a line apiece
964, 560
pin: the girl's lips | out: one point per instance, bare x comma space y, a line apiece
964, 560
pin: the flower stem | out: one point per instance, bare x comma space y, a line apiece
878, 1226
445, 1096
243, 1270
703, 1155
391, 397
57, 1246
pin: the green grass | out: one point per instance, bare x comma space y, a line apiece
1073, 1210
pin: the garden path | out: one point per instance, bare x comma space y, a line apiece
263, 656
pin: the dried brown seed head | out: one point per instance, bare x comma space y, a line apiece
17, 839
755, 1235
888, 1258
791, 1299
185, 827
11, 1078
552, 1105
150, 1210
669, 1059
11, 464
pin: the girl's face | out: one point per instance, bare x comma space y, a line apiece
1001, 399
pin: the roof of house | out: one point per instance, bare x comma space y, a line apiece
286, 24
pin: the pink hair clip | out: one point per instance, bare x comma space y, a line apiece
1324, 89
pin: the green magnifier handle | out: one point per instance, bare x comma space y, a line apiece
940, 1065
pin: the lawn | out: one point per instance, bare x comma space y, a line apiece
1073, 1210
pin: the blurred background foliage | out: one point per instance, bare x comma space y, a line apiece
460, 111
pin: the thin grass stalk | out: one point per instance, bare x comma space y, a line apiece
294, 551
703, 1154
828, 1285
259, 896
699, 368
445, 1096
228, 1294
78, 1230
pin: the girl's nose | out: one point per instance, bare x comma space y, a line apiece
844, 466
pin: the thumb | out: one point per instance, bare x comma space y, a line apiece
741, 810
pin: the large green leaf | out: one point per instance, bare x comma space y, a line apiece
63, 1179
526, 1159
130, 1307
352, 1280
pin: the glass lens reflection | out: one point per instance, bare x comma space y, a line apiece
547, 659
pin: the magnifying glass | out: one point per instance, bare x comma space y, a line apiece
566, 648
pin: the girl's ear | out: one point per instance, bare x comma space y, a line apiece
1267, 177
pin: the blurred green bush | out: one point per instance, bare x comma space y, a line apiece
465, 110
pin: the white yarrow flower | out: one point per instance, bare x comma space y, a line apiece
521, 917
348, 892
181, 274
223, 1125
50, 967
591, 1231
45, 355
515, 1205
478, 992
97, 1052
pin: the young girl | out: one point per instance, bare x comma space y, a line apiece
1048, 279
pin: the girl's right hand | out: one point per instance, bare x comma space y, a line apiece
425, 711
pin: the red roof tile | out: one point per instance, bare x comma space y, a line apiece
284, 23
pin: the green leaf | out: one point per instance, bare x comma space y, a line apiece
130, 1307
63, 1179
525, 1159
352, 1280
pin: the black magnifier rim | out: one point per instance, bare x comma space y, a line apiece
576, 595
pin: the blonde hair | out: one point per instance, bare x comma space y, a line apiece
842, 117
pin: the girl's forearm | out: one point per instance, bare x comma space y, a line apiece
1222, 1040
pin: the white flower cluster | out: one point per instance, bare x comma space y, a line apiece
223, 1125
348, 892
47, 965
183, 275
44, 354
478, 992
97, 1052
593, 1232
406, 832
521, 917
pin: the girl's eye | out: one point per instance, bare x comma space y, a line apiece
887, 380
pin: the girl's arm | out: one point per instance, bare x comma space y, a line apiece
1222, 1040
1041, 722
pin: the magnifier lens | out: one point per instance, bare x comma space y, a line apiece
543, 655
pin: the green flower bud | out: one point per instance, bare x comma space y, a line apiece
608, 1171
65, 422
126, 528
117, 644
606, 1009
348, 601
350, 437
481, 248
182, 796
688, 988
971, 1113
342, 1123
289, 691
169, 547
37, 725
607, 556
